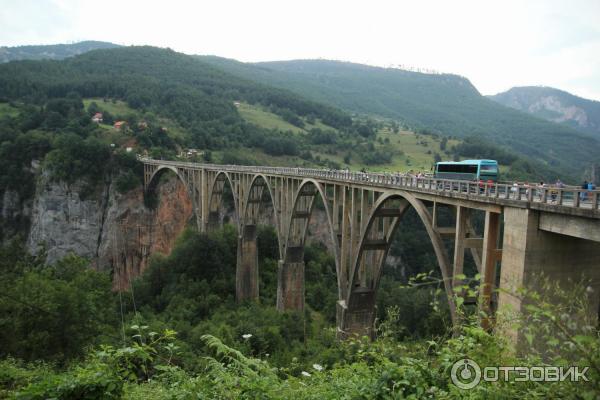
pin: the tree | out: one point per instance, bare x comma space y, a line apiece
54, 312
443, 143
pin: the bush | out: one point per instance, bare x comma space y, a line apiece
279, 146
92, 381
127, 181
74, 158
54, 312
377, 157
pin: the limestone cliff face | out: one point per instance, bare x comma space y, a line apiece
63, 222
553, 105
133, 232
115, 231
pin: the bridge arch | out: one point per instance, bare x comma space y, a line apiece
192, 191
375, 241
290, 290
215, 200
254, 204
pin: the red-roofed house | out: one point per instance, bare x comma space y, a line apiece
120, 125
97, 118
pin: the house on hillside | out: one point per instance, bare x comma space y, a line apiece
97, 118
119, 125
190, 153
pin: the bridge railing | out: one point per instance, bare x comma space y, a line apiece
553, 196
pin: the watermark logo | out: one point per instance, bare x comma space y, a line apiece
466, 374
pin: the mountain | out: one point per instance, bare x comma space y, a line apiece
442, 103
169, 101
51, 52
197, 95
553, 105
230, 107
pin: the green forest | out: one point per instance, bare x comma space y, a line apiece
178, 333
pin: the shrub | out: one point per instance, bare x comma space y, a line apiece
127, 181
94, 380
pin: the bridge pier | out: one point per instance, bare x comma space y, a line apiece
246, 273
529, 251
213, 221
357, 318
290, 281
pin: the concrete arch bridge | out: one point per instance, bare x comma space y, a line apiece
527, 230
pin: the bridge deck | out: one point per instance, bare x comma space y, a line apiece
569, 200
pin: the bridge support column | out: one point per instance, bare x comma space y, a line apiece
528, 252
290, 281
357, 318
213, 221
246, 273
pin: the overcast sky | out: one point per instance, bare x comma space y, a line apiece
496, 44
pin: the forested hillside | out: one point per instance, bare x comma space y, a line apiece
169, 101
51, 52
553, 105
200, 96
178, 333
193, 93
446, 104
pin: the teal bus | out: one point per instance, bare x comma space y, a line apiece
468, 170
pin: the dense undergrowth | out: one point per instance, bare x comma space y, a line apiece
179, 334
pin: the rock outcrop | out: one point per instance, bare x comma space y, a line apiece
63, 222
115, 231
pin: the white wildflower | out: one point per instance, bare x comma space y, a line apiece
318, 367
247, 336
305, 373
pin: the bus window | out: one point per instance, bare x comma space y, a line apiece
493, 169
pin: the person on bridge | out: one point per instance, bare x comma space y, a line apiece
481, 186
583, 194
490, 185
553, 193
541, 189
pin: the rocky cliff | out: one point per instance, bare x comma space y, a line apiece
115, 231
553, 105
